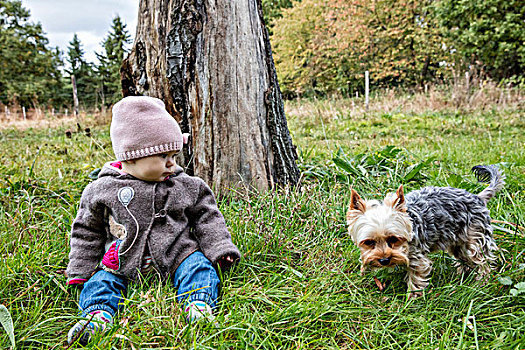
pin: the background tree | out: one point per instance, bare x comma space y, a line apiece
212, 64
325, 46
400, 40
84, 73
488, 35
29, 70
294, 38
110, 61
272, 10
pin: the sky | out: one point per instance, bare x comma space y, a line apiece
90, 19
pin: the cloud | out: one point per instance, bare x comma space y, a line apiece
90, 19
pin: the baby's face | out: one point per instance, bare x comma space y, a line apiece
152, 168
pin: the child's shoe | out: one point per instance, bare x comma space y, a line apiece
96, 322
197, 310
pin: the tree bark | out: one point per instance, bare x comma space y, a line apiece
211, 63
75, 96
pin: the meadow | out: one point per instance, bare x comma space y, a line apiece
298, 285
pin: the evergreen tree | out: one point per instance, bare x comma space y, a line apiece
75, 56
85, 77
29, 70
110, 61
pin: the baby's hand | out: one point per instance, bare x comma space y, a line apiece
225, 261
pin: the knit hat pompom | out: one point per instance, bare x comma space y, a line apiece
142, 127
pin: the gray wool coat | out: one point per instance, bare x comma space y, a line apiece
171, 219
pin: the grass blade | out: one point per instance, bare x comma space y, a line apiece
7, 323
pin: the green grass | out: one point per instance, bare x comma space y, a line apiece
298, 285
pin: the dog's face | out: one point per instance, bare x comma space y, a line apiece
382, 231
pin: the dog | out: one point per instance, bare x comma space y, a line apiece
404, 229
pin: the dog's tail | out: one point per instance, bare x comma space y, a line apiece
491, 174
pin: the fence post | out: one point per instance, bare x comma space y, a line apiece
367, 87
24, 113
467, 80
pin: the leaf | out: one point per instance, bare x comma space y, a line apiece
454, 180
379, 284
520, 285
390, 151
7, 323
415, 169
94, 174
346, 166
506, 281
363, 170
412, 171
519, 288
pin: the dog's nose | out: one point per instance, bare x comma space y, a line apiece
384, 261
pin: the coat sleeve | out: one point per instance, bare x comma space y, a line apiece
88, 236
210, 228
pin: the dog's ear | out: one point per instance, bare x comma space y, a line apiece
399, 202
396, 200
356, 202
356, 207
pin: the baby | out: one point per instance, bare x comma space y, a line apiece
145, 215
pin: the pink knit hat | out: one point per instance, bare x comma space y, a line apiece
142, 127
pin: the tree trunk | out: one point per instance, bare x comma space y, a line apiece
75, 96
211, 63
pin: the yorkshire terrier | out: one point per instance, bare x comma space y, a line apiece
404, 229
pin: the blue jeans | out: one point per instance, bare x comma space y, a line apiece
195, 279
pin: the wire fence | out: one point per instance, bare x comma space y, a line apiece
21, 113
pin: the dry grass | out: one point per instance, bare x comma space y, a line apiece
38, 119
479, 97
485, 96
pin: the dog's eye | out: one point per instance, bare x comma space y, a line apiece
391, 241
369, 242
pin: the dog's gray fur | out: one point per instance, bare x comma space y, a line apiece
405, 229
